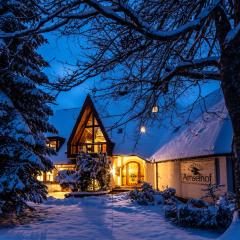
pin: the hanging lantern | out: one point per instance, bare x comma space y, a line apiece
155, 109
143, 129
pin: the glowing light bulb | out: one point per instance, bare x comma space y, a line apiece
143, 129
155, 109
113, 171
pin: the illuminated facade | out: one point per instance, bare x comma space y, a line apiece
89, 135
164, 158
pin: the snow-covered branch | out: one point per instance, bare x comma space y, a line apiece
52, 20
233, 35
118, 14
203, 62
201, 75
187, 69
143, 27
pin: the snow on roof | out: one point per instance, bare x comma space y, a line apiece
207, 133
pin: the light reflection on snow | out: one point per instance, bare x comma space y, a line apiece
111, 217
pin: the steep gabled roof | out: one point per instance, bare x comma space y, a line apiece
205, 134
88, 103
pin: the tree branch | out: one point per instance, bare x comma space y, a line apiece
143, 27
186, 69
39, 27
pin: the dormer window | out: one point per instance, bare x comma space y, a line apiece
55, 142
52, 144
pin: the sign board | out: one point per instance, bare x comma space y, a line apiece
198, 172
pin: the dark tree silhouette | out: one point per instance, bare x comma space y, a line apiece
24, 110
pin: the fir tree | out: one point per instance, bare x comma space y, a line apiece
92, 173
92, 169
24, 109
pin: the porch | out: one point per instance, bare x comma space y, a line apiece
127, 172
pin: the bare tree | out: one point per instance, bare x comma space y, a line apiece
153, 50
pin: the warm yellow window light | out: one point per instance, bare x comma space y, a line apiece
113, 171
155, 109
40, 177
49, 176
143, 129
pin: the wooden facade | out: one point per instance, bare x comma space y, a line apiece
89, 134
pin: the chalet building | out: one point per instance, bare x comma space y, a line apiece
188, 156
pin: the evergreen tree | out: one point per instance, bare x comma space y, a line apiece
92, 173
24, 109
92, 169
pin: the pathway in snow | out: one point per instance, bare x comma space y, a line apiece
103, 218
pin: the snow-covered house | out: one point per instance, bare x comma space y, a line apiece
89, 129
200, 152
186, 156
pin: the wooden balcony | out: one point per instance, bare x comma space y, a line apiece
89, 148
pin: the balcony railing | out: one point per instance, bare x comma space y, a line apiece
88, 148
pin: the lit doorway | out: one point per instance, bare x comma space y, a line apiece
131, 174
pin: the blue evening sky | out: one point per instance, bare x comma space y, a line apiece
62, 50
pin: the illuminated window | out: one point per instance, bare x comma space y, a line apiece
40, 177
155, 109
98, 135
55, 142
92, 139
49, 176
52, 144
87, 135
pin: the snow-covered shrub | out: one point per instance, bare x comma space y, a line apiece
168, 193
228, 200
169, 196
147, 195
93, 169
190, 216
224, 217
198, 203
200, 214
212, 192
143, 196
68, 179
90, 170
226, 206
171, 212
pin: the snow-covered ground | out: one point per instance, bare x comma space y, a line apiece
106, 217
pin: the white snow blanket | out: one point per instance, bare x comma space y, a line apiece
92, 218
233, 232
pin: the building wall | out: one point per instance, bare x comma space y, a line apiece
168, 175
151, 174
178, 174
49, 177
118, 178
190, 177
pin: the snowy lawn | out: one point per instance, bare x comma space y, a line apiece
105, 217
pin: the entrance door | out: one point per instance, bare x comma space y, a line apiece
133, 173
